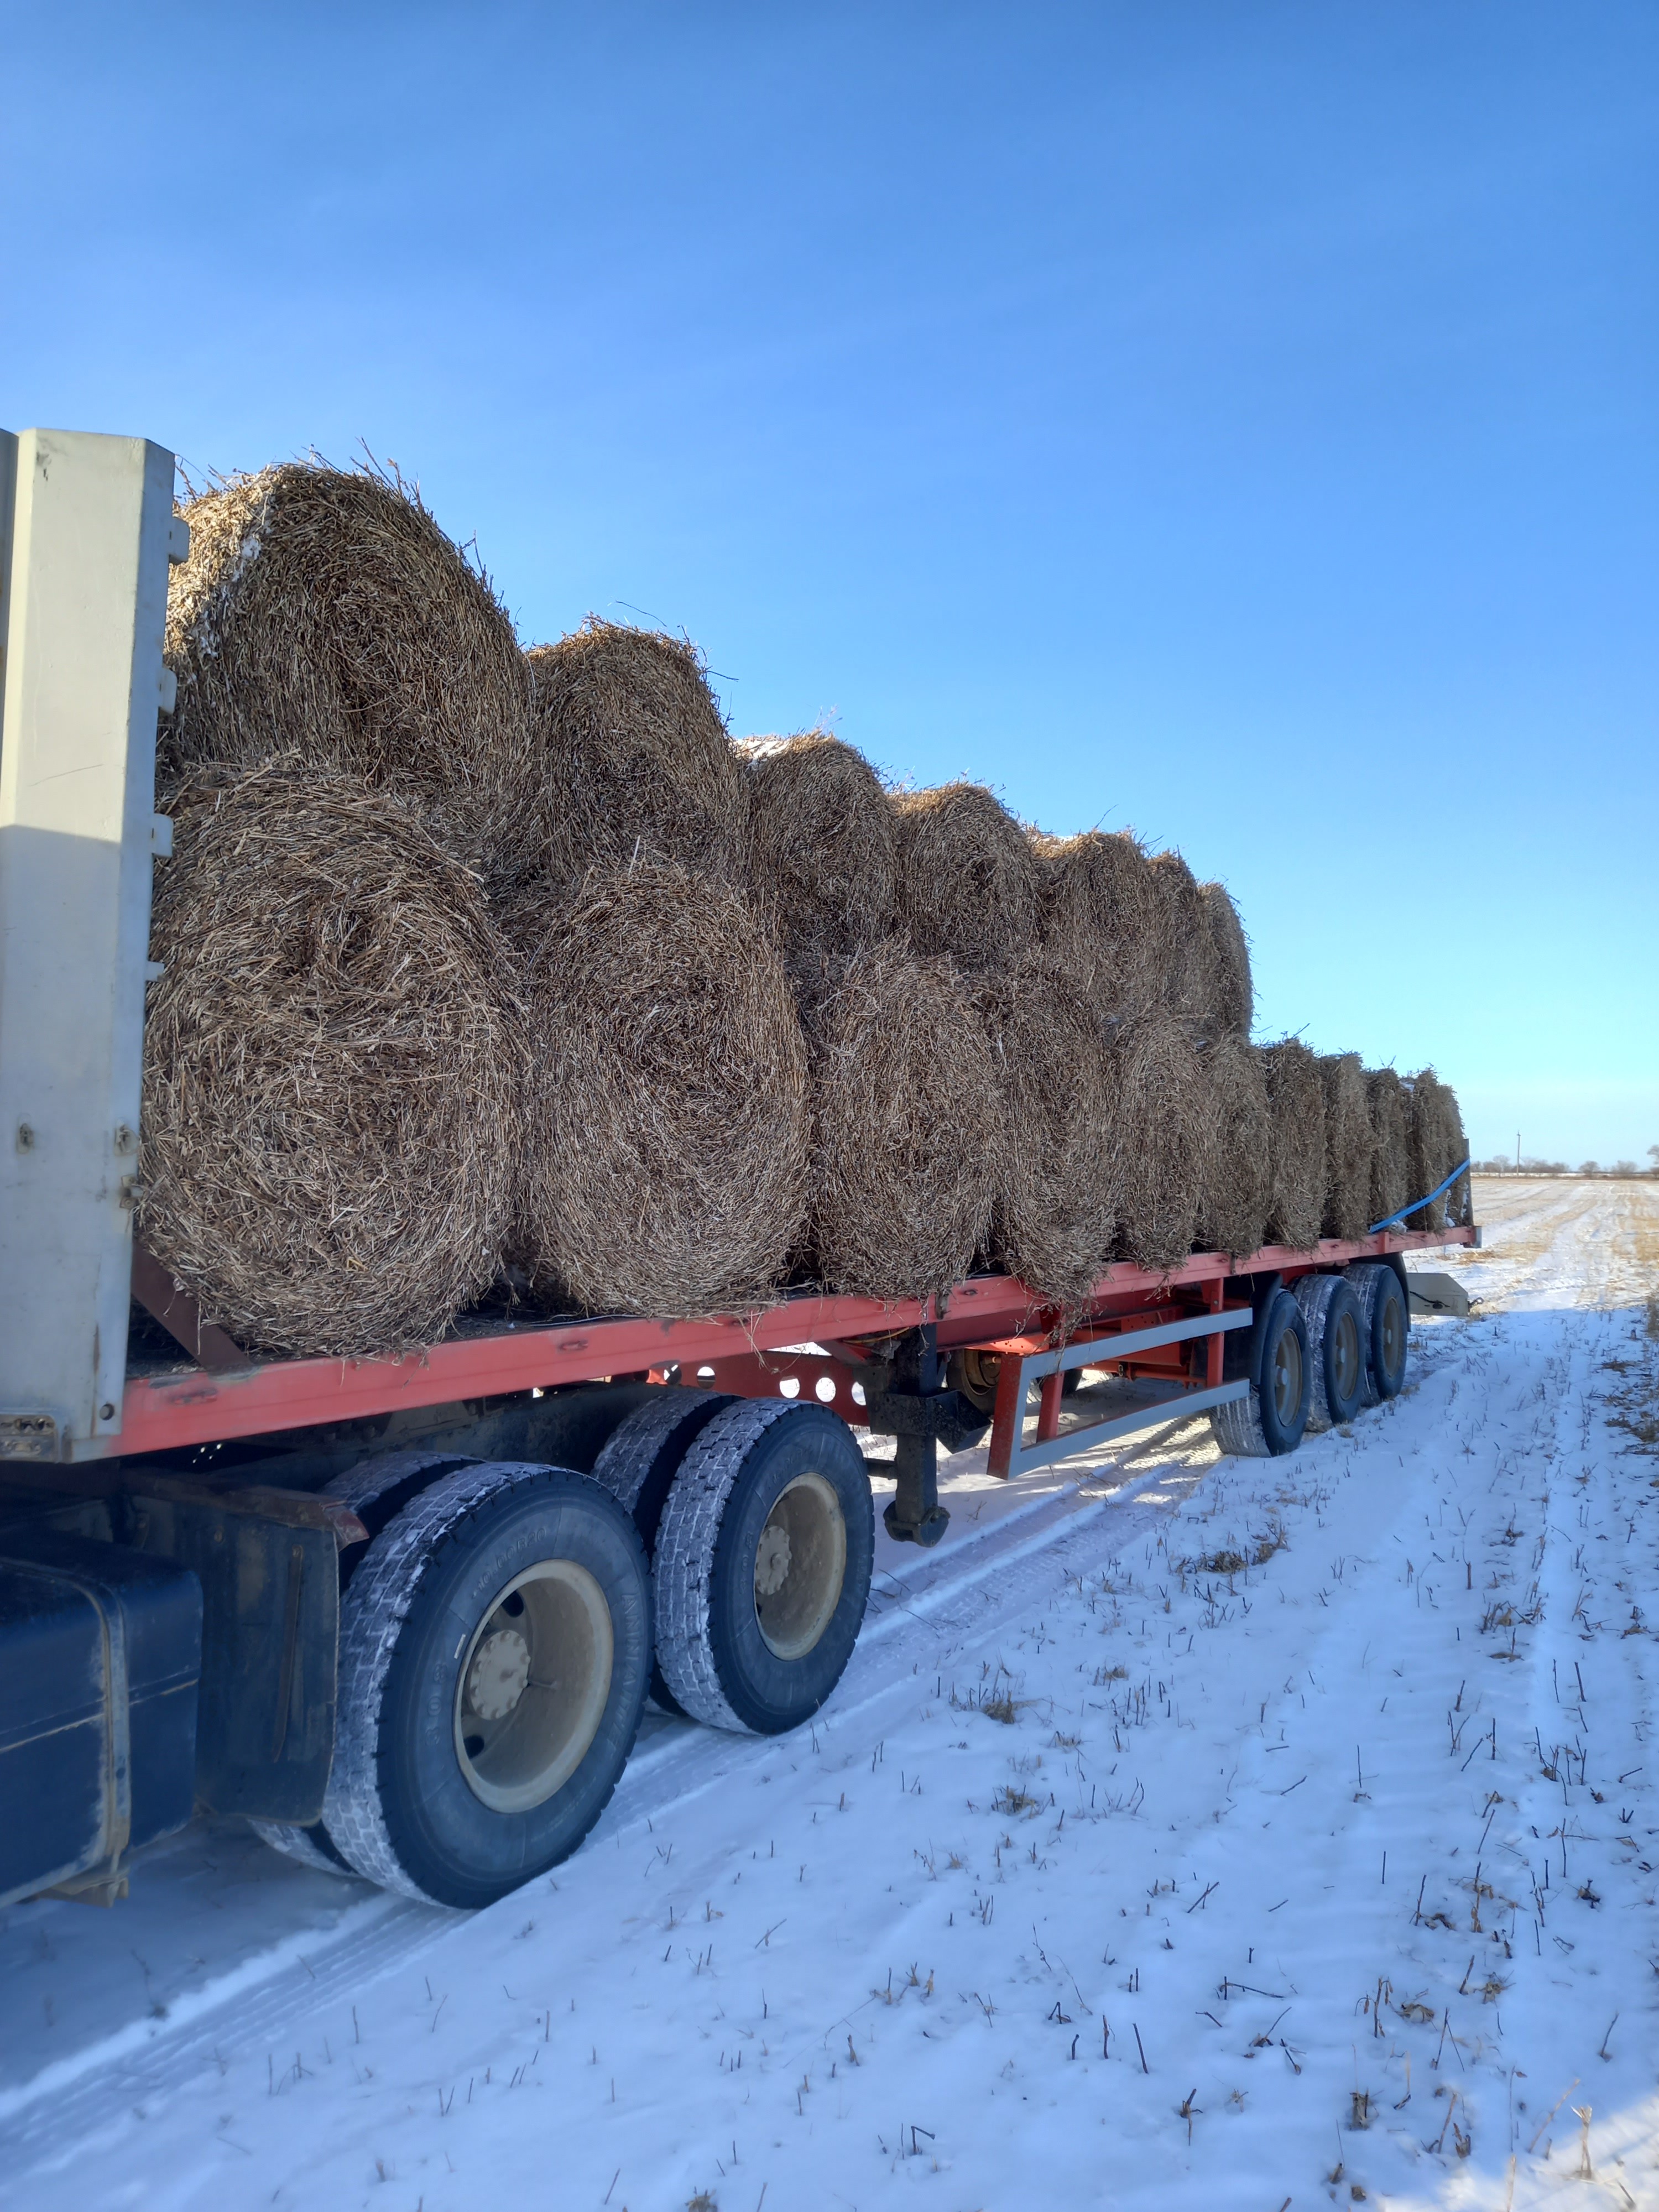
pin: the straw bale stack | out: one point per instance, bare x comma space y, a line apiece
1388, 1107
969, 885
1295, 1097
1101, 919
1348, 1145
824, 847
1435, 1145
1239, 1187
907, 1127
1192, 978
1056, 1181
1161, 1135
633, 758
334, 1064
324, 616
1233, 1007
665, 1165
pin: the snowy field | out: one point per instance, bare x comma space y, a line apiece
1187, 1831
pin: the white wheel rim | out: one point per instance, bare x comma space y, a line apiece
800, 1566
532, 1685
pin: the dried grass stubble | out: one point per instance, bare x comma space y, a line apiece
970, 885
1296, 1100
1387, 1107
1162, 1135
1103, 924
1436, 1145
1238, 1188
1056, 1185
633, 756
1348, 1145
334, 1069
667, 1160
824, 847
907, 1127
322, 614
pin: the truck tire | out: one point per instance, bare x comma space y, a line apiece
1272, 1419
1385, 1325
762, 1566
638, 1466
458, 1774
1336, 1349
375, 1488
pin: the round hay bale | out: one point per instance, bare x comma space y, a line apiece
1056, 1183
1435, 1145
322, 614
968, 882
824, 849
634, 759
1191, 969
666, 1161
1238, 1188
907, 1127
1161, 1136
1348, 1145
334, 1066
1233, 1008
1296, 1100
1103, 922
1388, 1105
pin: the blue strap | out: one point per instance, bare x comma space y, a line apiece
1417, 1204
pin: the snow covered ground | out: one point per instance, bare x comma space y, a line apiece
1188, 1831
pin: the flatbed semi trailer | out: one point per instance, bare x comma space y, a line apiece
404, 1613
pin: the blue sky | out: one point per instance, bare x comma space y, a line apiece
1236, 421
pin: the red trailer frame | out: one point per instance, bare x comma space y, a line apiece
821, 1344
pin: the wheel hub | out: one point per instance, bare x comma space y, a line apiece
800, 1565
531, 1686
772, 1560
496, 1678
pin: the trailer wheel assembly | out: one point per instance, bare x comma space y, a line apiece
1384, 1325
762, 1566
639, 1464
1336, 1349
1272, 1419
495, 1648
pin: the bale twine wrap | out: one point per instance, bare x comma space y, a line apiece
1387, 1106
634, 759
334, 1064
1435, 1147
666, 1167
1233, 1007
1162, 1137
824, 847
323, 614
1102, 920
1191, 969
907, 1127
1057, 1179
1348, 1145
969, 885
1239, 1186
1296, 1100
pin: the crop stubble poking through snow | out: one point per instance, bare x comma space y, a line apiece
1234, 1830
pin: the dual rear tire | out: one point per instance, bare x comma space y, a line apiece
761, 1548
501, 1630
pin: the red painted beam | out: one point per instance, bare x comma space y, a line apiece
191, 1406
